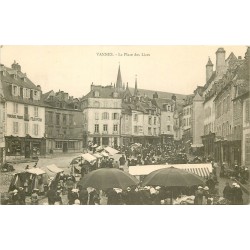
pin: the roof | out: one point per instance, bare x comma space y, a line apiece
8, 80
161, 94
160, 102
209, 63
104, 92
119, 79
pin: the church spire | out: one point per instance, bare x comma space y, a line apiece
136, 92
119, 79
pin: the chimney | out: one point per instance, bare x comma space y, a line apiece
220, 62
92, 86
209, 69
16, 66
39, 87
155, 95
174, 97
239, 57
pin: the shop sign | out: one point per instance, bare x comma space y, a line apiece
36, 119
15, 116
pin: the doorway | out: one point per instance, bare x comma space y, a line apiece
65, 147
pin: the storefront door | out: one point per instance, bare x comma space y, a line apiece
27, 150
65, 147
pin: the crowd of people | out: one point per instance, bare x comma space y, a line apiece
137, 154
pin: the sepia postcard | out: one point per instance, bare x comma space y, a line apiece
124, 125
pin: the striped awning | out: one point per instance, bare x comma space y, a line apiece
202, 170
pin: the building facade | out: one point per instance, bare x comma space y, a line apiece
63, 123
24, 115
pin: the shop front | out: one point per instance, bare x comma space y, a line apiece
209, 141
24, 147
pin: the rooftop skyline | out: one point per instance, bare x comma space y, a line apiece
175, 69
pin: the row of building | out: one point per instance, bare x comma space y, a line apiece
213, 120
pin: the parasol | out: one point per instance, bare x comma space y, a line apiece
105, 178
173, 177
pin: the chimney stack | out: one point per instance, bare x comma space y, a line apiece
220, 62
174, 97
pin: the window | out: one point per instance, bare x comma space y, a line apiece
58, 144
26, 128
15, 127
50, 117
15, 90
135, 129
115, 116
26, 110
70, 119
149, 131
154, 120
71, 144
96, 104
154, 131
15, 108
96, 94
115, 104
35, 129
57, 119
149, 120
96, 116
228, 103
168, 128
105, 128
115, 128
96, 128
135, 117
187, 111
35, 111
64, 119
126, 117
105, 116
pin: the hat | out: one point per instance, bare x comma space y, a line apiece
75, 190
21, 188
15, 191
118, 190
158, 187
200, 187
147, 187
77, 202
234, 184
128, 188
206, 188
162, 202
152, 191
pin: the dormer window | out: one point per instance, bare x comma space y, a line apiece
96, 94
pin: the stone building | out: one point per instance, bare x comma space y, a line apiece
63, 123
24, 114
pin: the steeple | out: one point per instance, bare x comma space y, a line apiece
209, 63
119, 79
209, 69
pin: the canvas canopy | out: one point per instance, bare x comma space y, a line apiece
111, 151
202, 170
104, 154
36, 171
87, 157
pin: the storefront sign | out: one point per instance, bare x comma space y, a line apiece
36, 119
15, 116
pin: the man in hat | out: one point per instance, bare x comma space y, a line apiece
34, 197
83, 196
14, 197
199, 196
227, 192
21, 196
51, 196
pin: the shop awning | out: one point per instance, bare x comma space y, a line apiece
87, 157
104, 154
202, 170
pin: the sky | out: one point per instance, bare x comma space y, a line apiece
175, 69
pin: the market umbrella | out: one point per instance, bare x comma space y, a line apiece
111, 151
105, 178
172, 177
